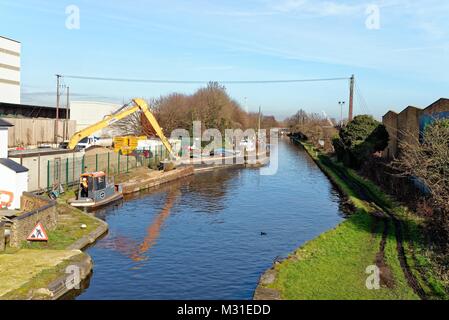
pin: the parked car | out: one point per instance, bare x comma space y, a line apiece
87, 143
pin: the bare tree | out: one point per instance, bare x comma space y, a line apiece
428, 160
211, 105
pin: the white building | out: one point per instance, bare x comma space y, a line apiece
9, 70
13, 176
87, 113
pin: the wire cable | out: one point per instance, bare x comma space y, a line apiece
198, 81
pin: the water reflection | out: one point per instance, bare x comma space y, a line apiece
137, 251
201, 238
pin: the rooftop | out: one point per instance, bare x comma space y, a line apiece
441, 100
4, 123
12, 165
9, 39
37, 152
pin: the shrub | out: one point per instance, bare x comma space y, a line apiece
359, 140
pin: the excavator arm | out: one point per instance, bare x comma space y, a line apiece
139, 105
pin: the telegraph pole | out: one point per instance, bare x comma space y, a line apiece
351, 99
58, 79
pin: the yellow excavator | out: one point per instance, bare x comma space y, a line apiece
139, 105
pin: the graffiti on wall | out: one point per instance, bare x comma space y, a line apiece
6, 199
426, 120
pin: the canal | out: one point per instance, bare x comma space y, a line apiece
213, 235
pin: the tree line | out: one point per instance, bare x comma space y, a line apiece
212, 105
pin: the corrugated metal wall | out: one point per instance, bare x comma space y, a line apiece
35, 131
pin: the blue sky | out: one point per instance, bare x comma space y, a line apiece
405, 62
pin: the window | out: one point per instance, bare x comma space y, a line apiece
100, 183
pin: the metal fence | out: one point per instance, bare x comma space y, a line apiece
67, 172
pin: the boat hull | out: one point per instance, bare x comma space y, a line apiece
92, 205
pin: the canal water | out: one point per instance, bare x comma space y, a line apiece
213, 235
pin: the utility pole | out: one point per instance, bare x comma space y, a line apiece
67, 108
58, 79
351, 99
260, 114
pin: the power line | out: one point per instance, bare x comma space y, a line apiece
201, 82
362, 100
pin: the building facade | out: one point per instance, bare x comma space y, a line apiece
408, 125
87, 113
10, 51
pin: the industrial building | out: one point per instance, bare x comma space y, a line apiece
87, 113
9, 70
408, 125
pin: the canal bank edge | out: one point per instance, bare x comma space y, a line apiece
148, 181
409, 284
54, 282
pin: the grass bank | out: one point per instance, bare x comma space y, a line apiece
30, 272
334, 265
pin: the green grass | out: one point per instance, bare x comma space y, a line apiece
68, 230
41, 280
37, 264
333, 265
415, 245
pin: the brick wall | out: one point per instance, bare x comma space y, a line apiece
408, 126
441, 105
37, 209
390, 120
405, 126
2, 236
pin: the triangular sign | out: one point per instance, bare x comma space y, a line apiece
38, 233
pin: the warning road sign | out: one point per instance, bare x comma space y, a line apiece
38, 233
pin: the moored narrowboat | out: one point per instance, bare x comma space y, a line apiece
96, 190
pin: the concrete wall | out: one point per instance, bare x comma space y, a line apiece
10, 51
31, 132
37, 209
